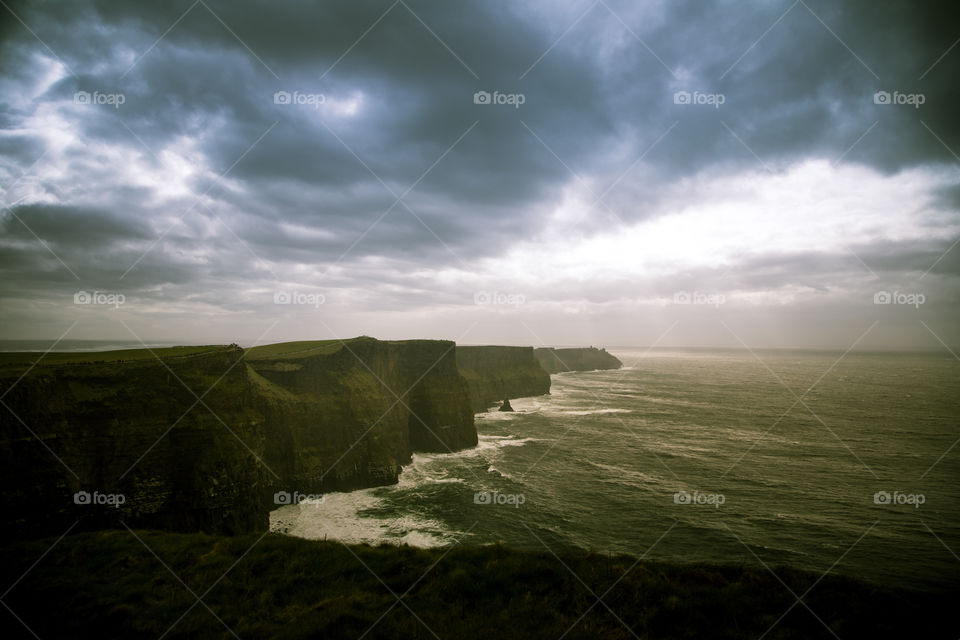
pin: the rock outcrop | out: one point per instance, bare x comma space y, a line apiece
200, 438
576, 359
494, 373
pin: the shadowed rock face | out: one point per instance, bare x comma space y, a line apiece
576, 359
348, 415
306, 417
127, 423
495, 373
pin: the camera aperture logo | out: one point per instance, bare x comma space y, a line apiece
512, 99
910, 99
97, 498
285, 498
699, 297
498, 298
495, 497
110, 298
900, 298
699, 98
898, 498
685, 497
302, 99
299, 298
110, 99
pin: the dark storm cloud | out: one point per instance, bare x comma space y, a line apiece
63, 226
200, 81
286, 185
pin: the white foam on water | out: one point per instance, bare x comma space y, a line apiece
342, 517
352, 517
490, 444
591, 412
419, 473
497, 416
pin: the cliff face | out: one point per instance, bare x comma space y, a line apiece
578, 359
305, 417
125, 425
494, 374
348, 415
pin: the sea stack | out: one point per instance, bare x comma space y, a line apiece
506, 405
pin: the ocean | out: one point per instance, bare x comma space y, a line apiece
811, 459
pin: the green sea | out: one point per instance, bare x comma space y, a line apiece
831, 462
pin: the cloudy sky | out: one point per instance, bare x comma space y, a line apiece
560, 172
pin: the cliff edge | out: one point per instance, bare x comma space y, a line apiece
576, 359
348, 414
494, 374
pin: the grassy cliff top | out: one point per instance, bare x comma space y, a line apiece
307, 348
21, 358
301, 349
110, 584
285, 350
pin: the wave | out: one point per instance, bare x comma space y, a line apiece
590, 412
624, 475
359, 517
369, 515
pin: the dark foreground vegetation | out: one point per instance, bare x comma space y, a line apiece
146, 584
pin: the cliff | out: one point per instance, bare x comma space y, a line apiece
494, 374
348, 414
199, 438
126, 423
577, 359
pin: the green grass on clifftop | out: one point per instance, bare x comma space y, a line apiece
303, 348
110, 584
27, 358
307, 348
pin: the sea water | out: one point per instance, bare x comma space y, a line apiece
812, 459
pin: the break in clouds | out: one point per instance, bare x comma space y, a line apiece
680, 173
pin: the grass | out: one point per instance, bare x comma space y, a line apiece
109, 584
301, 349
27, 358
286, 350
307, 348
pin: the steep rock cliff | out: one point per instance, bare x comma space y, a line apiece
496, 373
199, 438
576, 359
127, 423
346, 415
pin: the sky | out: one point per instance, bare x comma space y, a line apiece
661, 173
